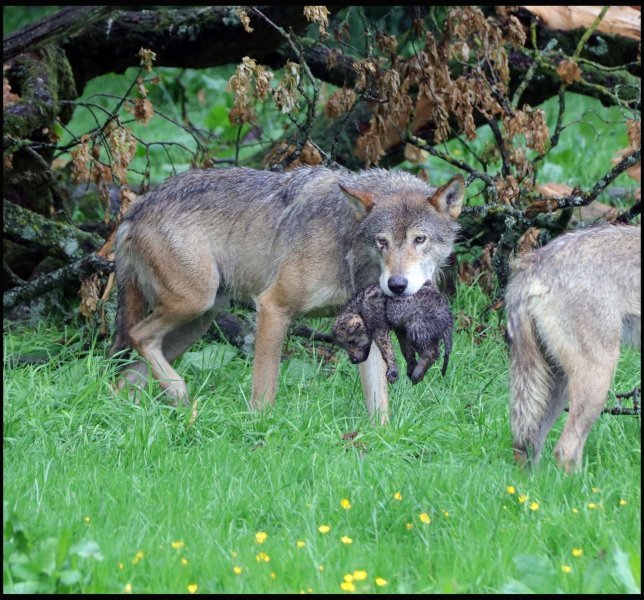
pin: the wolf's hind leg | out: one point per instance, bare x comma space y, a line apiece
588, 383
558, 399
174, 345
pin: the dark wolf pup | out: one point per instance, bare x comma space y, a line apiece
420, 321
292, 242
569, 304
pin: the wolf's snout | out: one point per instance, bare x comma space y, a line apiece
397, 284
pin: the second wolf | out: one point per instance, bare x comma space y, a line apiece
292, 242
569, 305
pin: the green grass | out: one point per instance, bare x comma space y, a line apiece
83, 465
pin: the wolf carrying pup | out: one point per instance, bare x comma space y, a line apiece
569, 304
292, 242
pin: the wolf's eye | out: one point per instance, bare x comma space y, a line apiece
381, 242
420, 239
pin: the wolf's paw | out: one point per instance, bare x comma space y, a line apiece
392, 374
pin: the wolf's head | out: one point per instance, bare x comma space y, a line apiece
407, 225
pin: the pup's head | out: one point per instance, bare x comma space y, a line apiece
409, 226
352, 335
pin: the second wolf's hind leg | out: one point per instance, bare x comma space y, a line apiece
558, 398
374, 385
588, 383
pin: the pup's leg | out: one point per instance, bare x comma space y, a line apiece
426, 359
588, 382
374, 385
273, 319
383, 341
407, 350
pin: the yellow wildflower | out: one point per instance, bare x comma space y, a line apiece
192, 588
324, 529
128, 588
359, 575
446, 514
87, 519
138, 557
346, 539
237, 570
344, 503
409, 525
178, 545
273, 576
511, 489
320, 568
592, 505
566, 568
575, 511
523, 498
347, 586
184, 561
577, 552
380, 581
260, 537
263, 557
398, 496
623, 502
121, 566
424, 517
348, 577
300, 543
534, 506
596, 489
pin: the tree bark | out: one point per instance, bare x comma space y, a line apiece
64, 241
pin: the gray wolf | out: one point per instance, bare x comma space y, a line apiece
569, 305
420, 321
291, 242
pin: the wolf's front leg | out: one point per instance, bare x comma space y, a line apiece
374, 384
272, 324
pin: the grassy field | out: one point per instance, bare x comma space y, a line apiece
102, 495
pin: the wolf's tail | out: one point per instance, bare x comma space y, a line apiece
131, 306
530, 373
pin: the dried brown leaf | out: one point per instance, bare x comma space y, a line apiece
147, 58
242, 15
319, 15
528, 241
569, 71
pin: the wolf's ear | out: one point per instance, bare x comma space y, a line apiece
360, 201
449, 197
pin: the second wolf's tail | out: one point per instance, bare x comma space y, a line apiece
530, 374
131, 303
